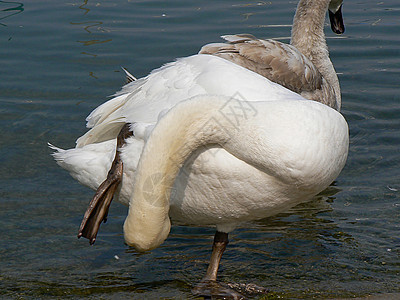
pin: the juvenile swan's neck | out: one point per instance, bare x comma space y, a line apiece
309, 38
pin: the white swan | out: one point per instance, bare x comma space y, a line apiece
213, 144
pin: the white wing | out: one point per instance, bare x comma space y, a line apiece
143, 101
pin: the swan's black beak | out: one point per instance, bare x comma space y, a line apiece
337, 21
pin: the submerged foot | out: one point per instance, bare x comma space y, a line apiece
210, 289
98, 208
248, 288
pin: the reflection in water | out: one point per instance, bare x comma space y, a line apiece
88, 29
93, 42
88, 26
91, 54
92, 75
11, 11
291, 224
92, 28
84, 8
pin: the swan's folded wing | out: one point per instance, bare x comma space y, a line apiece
279, 62
146, 99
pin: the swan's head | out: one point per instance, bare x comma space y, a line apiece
335, 16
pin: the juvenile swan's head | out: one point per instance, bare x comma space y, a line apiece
335, 16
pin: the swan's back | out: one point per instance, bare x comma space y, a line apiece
145, 100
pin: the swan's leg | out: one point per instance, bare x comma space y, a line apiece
100, 203
209, 287
218, 248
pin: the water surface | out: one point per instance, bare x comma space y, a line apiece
61, 59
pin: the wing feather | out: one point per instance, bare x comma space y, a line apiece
146, 99
279, 62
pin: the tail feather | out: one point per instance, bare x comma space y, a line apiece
88, 165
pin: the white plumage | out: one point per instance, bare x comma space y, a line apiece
216, 187
215, 143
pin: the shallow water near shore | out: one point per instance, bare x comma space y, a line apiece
61, 59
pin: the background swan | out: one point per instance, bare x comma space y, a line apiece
214, 185
303, 66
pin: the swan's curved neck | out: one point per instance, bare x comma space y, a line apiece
309, 38
189, 125
270, 139
182, 130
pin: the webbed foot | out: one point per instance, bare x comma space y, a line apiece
210, 289
98, 208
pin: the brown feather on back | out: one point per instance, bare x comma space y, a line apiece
279, 62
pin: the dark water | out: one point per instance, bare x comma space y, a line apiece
59, 60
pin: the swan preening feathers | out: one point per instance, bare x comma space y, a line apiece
244, 130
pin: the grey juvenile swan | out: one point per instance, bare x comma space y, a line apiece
303, 66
